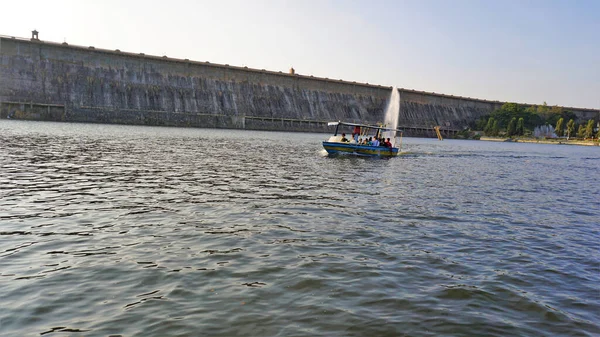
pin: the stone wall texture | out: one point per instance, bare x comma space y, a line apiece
51, 81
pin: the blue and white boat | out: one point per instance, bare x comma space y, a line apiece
341, 145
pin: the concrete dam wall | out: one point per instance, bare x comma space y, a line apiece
51, 81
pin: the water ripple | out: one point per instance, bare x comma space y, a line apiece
119, 231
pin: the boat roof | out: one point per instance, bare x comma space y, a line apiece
377, 127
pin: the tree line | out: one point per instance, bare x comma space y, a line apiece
513, 119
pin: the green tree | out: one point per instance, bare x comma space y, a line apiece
495, 129
544, 111
481, 123
508, 111
570, 127
589, 129
511, 129
581, 131
559, 127
512, 107
566, 115
532, 109
488, 127
554, 114
520, 127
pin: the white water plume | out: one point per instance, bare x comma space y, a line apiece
392, 111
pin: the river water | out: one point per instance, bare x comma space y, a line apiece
110, 230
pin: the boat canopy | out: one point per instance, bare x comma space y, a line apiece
375, 127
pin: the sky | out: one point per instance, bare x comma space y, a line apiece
508, 50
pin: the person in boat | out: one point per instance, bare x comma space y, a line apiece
344, 139
375, 142
388, 143
356, 133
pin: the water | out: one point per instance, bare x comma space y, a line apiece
546, 131
392, 111
121, 230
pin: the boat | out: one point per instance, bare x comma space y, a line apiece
341, 145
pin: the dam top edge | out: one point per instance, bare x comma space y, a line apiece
164, 58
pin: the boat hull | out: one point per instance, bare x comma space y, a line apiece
334, 148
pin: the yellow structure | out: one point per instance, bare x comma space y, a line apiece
437, 132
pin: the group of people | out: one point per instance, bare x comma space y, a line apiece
371, 141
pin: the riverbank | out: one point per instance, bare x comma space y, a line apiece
560, 141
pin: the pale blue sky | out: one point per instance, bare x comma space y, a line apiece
523, 51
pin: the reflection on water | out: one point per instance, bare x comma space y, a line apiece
116, 230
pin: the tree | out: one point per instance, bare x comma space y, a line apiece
532, 109
554, 114
488, 127
570, 127
544, 111
581, 131
589, 129
511, 129
495, 129
567, 114
520, 127
559, 127
481, 123
508, 111
511, 107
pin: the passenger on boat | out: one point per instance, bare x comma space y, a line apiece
356, 133
344, 139
375, 142
388, 143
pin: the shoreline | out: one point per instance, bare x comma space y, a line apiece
543, 141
